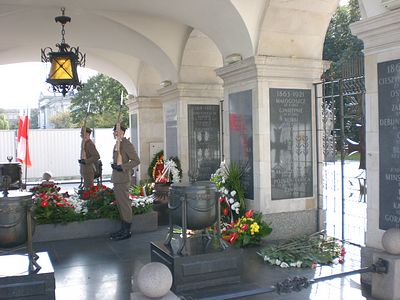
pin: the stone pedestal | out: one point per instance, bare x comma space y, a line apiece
17, 283
206, 264
140, 296
386, 286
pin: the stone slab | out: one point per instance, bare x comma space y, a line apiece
203, 266
16, 282
92, 228
386, 286
139, 296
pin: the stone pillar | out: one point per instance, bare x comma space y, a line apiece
146, 124
381, 38
279, 94
175, 100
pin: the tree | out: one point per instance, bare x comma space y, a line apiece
104, 94
340, 45
34, 118
3, 122
61, 119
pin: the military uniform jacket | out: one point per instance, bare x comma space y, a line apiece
92, 155
130, 159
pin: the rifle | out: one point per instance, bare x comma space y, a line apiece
83, 131
118, 129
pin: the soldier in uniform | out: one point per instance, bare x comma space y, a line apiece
125, 159
89, 155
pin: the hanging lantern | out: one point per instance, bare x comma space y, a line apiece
63, 74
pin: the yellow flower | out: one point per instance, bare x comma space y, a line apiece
254, 228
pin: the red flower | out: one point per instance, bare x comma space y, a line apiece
341, 260
221, 199
342, 251
226, 211
249, 213
44, 203
85, 195
233, 237
244, 227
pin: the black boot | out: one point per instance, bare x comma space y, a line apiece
117, 233
125, 233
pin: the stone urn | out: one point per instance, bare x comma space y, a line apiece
160, 205
14, 218
201, 204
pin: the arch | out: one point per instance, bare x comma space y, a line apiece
200, 59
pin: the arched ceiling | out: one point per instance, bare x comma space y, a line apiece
123, 37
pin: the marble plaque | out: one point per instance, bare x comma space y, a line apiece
291, 137
389, 143
204, 140
241, 136
171, 130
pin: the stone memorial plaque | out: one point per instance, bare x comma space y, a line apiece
291, 138
389, 144
171, 130
134, 131
204, 140
241, 136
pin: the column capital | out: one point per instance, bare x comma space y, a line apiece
273, 68
380, 33
190, 90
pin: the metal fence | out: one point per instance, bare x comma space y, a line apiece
57, 151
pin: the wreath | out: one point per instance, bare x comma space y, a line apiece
157, 167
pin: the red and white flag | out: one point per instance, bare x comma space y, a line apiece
23, 147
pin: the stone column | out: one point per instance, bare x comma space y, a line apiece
381, 38
146, 125
175, 99
284, 85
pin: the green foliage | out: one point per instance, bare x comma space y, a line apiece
61, 119
304, 251
340, 45
104, 94
3, 122
34, 119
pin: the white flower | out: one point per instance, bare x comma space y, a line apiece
266, 258
299, 263
223, 180
335, 261
231, 200
278, 262
293, 264
233, 193
226, 192
237, 211
284, 265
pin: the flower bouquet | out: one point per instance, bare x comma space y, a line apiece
305, 251
227, 179
247, 230
51, 206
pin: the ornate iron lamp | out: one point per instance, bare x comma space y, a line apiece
63, 74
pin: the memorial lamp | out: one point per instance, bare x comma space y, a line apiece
63, 74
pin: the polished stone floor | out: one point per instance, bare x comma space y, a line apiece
105, 270
100, 269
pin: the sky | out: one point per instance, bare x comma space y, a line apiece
22, 83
